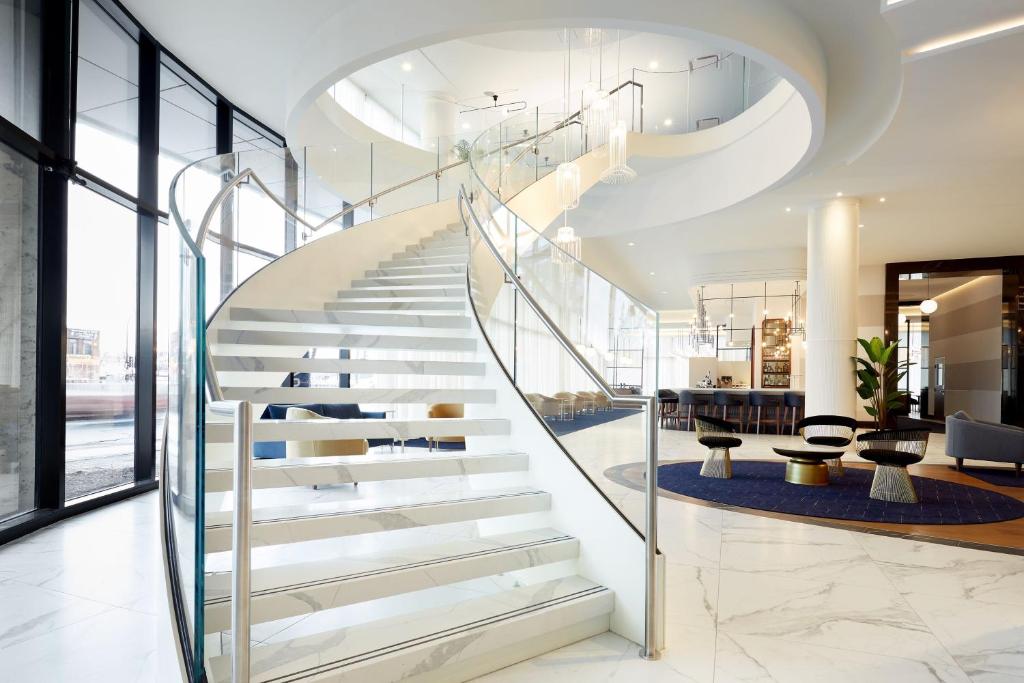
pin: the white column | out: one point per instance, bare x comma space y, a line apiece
833, 256
438, 118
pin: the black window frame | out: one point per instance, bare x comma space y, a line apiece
53, 152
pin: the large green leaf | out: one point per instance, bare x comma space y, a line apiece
865, 392
870, 411
868, 378
866, 345
877, 348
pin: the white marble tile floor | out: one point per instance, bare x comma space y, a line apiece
749, 598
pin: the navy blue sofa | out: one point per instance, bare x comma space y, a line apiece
266, 450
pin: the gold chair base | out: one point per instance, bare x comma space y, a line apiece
807, 472
893, 485
717, 464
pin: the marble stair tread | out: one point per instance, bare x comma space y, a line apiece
315, 521
396, 271
353, 366
430, 280
344, 340
345, 469
315, 430
295, 589
460, 250
348, 318
402, 294
467, 638
392, 395
431, 307
400, 260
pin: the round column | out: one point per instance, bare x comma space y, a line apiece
438, 117
833, 257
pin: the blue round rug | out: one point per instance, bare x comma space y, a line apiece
761, 486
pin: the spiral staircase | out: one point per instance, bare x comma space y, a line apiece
408, 562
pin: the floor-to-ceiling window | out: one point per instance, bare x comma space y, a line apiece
100, 393
18, 254
87, 155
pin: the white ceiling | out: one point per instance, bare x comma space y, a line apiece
950, 166
950, 162
530, 66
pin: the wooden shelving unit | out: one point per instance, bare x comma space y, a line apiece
776, 358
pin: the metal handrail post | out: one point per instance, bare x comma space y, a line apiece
241, 550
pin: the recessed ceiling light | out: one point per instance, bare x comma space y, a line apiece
966, 36
651, 273
839, 194
667, 122
630, 244
860, 225
881, 199
788, 209
664, 292
406, 66
465, 126
653, 64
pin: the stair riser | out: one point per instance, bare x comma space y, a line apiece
329, 595
264, 477
406, 261
437, 293
411, 281
218, 539
395, 306
496, 649
400, 271
255, 315
343, 341
315, 430
341, 395
272, 364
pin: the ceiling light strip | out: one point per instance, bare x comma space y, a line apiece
972, 36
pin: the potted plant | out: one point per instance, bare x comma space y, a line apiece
879, 378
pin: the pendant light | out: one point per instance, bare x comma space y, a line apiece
569, 244
929, 305
618, 171
567, 173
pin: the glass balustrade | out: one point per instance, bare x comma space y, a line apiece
582, 351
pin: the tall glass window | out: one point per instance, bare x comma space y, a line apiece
188, 127
19, 64
100, 388
18, 292
107, 129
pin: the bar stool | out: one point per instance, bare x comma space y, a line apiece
771, 404
693, 403
794, 409
725, 401
668, 407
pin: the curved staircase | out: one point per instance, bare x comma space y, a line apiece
438, 565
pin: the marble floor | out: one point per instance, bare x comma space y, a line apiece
749, 598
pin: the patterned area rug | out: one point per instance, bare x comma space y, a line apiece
762, 486
563, 427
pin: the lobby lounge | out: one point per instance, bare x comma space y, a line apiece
457, 341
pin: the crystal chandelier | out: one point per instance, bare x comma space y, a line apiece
567, 185
618, 171
570, 246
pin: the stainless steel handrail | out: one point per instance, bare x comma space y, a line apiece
650, 403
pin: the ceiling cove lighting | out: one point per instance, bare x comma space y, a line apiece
966, 36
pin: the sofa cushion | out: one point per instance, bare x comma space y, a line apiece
270, 450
